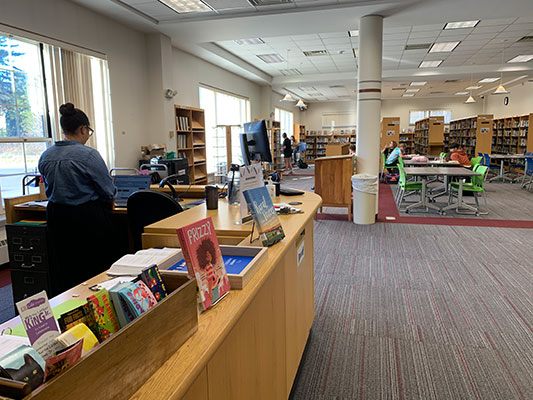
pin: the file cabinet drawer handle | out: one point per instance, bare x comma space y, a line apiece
22, 248
27, 266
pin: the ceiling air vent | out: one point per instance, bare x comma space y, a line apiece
525, 39
436, 92
423, 46
337, 87
314, 53
398, 88
452, 80
258, 3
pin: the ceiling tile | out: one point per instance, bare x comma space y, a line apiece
345, 41
330, 35
480, 36
229, 4
524, 20
489, 29
520, 27
396, 29
421, 28
430, 35
500, 21
456, 32
313, 36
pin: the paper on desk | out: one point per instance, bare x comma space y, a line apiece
115, 281
38, 203
9, 343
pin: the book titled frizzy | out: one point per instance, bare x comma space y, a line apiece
204, 261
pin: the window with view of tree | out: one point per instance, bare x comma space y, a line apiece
23, 127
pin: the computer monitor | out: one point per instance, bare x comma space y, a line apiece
254, 143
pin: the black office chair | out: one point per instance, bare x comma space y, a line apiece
146, 207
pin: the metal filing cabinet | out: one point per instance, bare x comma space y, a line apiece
28, 247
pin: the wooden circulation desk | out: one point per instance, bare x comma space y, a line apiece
249, 345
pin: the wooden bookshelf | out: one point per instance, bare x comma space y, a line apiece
407, 138
299, 132
274, 136
190, 138
390, 130
429, 136
316, 141
473, 134
511, 135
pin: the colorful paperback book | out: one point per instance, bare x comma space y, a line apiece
76, 333
63, 360
104, 314
204, 261
152, 278
73, 317
137, 297
264, 214
23, 364
122, 309
39, 322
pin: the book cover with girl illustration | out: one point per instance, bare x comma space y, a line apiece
204, 261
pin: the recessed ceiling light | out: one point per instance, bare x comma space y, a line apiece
271, 58
521, 59
418, 83
412, 90
407, 95
186, 6
461, 24
291, 71
249, 41
473, 87
422, 46
443, 47
461, 93
488, 80
430, 64
353, 33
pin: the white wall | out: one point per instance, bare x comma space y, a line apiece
125, 49
520, 101
312, 117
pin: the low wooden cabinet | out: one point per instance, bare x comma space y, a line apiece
333, 181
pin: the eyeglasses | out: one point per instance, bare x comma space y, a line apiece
91, 131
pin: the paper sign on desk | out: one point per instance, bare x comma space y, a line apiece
251, 178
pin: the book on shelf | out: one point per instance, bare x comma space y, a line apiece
201, 251
104, 314
152, 278
182, 123
63, 360
264, 215
76, 333
131, 299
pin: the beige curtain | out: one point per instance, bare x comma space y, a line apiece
77, 84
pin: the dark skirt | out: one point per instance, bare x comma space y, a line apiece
81, 242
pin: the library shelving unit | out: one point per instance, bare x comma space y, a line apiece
190, 137
390, 130
407, 138
274, 136
299, 132
429, 136
473, 134
317, 141
511, 135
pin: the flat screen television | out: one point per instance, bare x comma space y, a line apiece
254, 143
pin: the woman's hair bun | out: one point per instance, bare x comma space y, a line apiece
67, 109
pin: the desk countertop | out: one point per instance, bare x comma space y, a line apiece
448, 171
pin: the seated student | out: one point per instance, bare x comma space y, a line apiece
397, 152
388, 148
458, 154
352, 149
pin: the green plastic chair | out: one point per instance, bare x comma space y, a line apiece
443, 155
475, 161
383, 166
476, 187
400, 162
404, 186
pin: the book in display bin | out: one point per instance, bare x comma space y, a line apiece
103, 314
152, 278
23, 364
202, 255
264, 215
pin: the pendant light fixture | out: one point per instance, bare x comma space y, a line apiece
501, 89
301, 103
470, 99
288, 96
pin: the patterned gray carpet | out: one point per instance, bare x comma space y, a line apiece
6, 304
420, 312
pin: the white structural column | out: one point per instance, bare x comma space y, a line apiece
369, 105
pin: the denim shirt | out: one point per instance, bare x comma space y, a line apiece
75, 174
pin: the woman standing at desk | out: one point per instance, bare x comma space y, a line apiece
80, 193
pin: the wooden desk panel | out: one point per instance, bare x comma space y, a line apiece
240, 314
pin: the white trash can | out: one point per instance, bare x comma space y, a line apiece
365, 190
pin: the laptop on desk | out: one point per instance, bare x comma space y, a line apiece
126, 185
